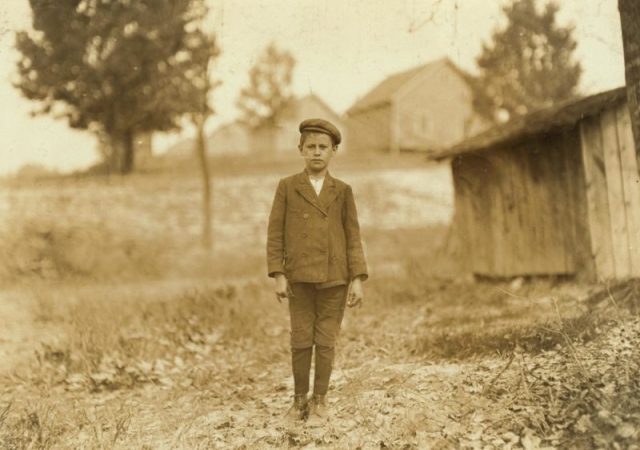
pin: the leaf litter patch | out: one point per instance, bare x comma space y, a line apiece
580, 393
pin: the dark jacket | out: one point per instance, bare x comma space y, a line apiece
314, 239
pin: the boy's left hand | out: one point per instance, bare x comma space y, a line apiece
356, 294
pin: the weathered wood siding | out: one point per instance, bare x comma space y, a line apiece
613, 192
522, 210
370, 130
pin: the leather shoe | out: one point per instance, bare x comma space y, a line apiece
298, 410
318, 411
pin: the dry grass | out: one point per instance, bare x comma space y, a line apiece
148, 226
206, 366
114, 338
157, 345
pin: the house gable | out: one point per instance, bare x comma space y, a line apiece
284, 136
231, 138
313, 106
434, 109
384, 91
426, 108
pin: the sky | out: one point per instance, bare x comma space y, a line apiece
342, 50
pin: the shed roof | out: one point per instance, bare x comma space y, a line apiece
563, 115
385, 90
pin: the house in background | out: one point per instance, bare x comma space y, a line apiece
556, 192
237, 138
283, 137
427, 108
230, 139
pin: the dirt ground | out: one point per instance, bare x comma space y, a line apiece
117, 332
407, 375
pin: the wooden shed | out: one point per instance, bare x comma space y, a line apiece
554, 192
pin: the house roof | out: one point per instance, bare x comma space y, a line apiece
386, 89
562, 116
291, 110
238, 127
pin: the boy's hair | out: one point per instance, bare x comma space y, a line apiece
306, 133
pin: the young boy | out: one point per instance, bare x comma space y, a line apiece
315, 255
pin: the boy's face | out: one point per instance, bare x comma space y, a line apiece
317, 150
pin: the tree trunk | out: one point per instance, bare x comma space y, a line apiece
128, 156
630, 21
201, 153
122, 153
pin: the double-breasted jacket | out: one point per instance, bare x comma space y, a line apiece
314, 238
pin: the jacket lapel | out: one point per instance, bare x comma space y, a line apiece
303, 186
329, 192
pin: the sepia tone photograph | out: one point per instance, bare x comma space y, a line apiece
267, 224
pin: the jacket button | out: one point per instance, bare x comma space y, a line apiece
305, 215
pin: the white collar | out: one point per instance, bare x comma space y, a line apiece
317, 184
316, 179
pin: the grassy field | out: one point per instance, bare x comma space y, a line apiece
123, 333
149, 225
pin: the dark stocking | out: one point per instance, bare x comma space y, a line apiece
301, 364
324, 365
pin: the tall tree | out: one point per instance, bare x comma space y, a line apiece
269, 89
630, 21
117, 67
203, 85
528, 64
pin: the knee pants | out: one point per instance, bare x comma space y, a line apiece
316, 314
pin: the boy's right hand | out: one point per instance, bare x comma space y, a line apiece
281, 287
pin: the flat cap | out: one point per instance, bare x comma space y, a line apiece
321, 126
